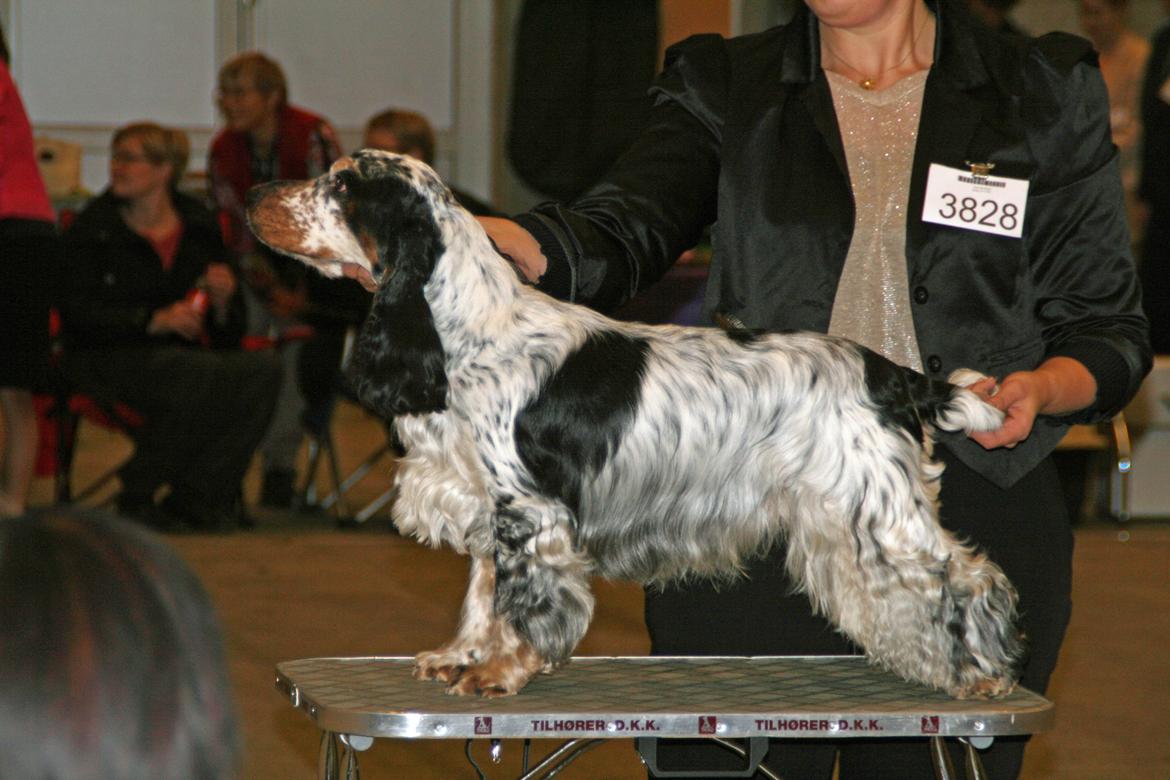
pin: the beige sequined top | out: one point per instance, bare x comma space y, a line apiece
878, 130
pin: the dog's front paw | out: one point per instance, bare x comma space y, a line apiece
498, 674
444, 665
491, 680
503, 675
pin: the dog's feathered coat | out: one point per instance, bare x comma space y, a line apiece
554, 444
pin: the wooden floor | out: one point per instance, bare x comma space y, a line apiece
298, 587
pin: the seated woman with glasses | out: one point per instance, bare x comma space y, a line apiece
152, 317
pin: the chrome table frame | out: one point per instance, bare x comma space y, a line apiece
356, 700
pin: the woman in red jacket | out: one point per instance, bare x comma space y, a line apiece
265, 138
26, 273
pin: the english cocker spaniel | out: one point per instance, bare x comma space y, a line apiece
553, 444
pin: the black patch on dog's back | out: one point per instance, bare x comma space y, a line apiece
904, 397
574, 426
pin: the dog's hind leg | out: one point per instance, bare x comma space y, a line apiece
919, 602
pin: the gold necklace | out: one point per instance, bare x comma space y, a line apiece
870, 83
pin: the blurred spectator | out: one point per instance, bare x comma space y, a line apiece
266, 138
113, 662
409, 132
1154, 189
152, 318
27, 270
1123, 54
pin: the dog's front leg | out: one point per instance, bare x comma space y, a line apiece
478, 629
539, 608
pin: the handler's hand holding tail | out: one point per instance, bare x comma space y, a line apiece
1058, 386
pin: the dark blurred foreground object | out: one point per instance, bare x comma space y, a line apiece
1154, 189
112, 655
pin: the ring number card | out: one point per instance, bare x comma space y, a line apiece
972, 199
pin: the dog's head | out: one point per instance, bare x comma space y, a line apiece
372, 218
370, 214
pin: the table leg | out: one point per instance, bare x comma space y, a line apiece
647, 748
352, 744
554, 762
944, 769
975, 770
351, 763
327, 766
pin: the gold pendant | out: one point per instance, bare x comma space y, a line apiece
867, 83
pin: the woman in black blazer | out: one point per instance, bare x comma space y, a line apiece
998, 241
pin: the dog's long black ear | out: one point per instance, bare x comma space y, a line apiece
398, 365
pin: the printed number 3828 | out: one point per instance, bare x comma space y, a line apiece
988, 213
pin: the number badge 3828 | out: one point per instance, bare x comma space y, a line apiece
975, 200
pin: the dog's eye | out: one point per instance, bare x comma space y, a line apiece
338, 184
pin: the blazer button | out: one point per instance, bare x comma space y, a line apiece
934, 364
921, 295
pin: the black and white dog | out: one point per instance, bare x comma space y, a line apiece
553, 444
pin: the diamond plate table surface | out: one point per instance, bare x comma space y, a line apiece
622, 697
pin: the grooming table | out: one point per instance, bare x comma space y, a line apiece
356, 700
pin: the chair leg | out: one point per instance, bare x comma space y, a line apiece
370, 509
335, 475
106, 477
308, 491
66, 439
359, 473
323, 446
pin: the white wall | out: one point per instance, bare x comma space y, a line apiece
85, 67
348, 59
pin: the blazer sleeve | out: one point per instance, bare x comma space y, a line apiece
1087, 297
626, 231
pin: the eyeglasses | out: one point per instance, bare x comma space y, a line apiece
129, 157
224, 93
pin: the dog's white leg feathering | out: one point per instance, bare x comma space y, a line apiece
441, 498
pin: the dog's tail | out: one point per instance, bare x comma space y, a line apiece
963, 410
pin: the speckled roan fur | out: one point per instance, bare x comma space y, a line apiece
552, 444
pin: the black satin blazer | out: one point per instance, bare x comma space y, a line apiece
744, 135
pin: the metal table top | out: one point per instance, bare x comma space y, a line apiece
622, 697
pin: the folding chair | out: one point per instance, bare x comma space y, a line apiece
1108, 475
60, 412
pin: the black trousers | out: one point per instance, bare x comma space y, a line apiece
29, 265
1024, 529
206, 410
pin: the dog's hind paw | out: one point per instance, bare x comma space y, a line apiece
985, 688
